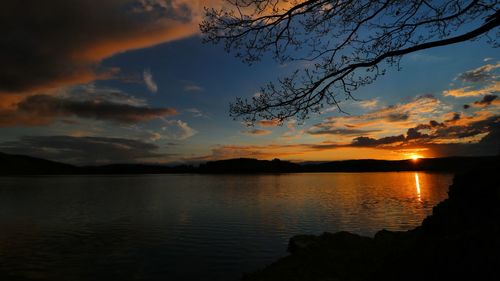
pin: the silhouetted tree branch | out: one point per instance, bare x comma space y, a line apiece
342, 44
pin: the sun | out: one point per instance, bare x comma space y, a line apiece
415, 157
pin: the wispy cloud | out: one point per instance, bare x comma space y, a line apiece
177, 130
487, 100
149, 81
196, 112
191, 87
268, 123
477, 82
369, 104
385, 120
470, 91
481, 74
81, 102
456, 135
293, 132
257, 132
424, 57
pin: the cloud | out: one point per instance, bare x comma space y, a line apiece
422, 57
257, 132
367, 141
487, 145
470, 91
480, 74
345, 132
477, 82
84, 150
47, 46
196, 112
369, 104
476, 135
487, 100
383, 120
83, 102
457, 129
153, 136
177, 130
193, 88
148, 80
293, 132
268, 123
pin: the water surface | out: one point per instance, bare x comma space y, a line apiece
192, 227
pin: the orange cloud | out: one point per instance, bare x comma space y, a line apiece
384, 121
268, 123
470, 91
257, 132
64, 43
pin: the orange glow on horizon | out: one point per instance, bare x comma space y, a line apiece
415, 157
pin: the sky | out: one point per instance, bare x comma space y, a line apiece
113, 81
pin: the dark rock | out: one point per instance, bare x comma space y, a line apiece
301, 242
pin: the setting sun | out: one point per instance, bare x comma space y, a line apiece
415, 157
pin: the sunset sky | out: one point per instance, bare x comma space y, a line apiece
92, 82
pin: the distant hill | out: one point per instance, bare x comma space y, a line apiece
136, 169
26, 165
249, 166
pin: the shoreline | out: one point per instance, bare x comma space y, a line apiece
19, 165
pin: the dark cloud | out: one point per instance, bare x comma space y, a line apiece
112, 106
343, 132
83, 150
397, 117
455, 117
450, 131
367, 142
49, 45
466, 106
44, 105
489, 145
434, 123
486, 100
481, 74
414, 133
434, 132
474, 76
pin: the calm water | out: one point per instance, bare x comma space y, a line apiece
191, 227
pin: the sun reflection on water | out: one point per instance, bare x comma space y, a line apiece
417, 185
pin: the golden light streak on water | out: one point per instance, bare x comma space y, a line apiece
417, 185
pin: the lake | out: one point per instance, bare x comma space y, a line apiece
192, 227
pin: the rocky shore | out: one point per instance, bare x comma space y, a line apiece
459, 241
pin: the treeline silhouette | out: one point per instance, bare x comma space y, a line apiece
27, 165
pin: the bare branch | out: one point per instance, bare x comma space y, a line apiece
348, 43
